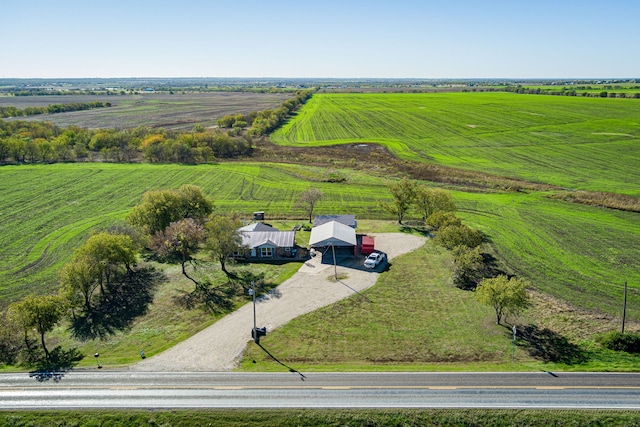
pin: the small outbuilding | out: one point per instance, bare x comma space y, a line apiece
257, 226
367, 245
349, 220
336, 235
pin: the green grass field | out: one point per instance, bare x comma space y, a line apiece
575, 253
580, 253
47, 211
573, 142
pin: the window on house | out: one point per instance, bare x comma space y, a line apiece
266, 252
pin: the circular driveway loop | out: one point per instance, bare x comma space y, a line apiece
220, 346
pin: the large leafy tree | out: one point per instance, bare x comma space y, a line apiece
78, 281
468, 266
431, 200
181, 238
39, 313
507, 296
159, 208
404, 194
10, 340
104, 259
223, 238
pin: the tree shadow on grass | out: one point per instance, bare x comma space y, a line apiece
222, 298
215, 299
549, 346
122, 304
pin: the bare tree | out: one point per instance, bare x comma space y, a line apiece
308, 200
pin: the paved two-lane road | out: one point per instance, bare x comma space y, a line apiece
121, 389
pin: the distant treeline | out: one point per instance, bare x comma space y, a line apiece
264, 122
153, 89
43, 142
586, 91
6, 112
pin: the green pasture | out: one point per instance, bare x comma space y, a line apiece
577, 253
438, 323
580, 253
47, 211
573, 142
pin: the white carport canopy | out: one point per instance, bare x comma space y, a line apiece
332, 233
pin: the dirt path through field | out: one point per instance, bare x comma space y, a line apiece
220, 346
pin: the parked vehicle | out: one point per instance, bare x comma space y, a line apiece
374, 259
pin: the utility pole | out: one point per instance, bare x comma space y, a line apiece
513, 345
252, 292
335, 265
255, 332
624, 306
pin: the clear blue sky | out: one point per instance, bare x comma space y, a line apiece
328, 38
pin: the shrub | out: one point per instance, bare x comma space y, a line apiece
621, 342
441, 219
458, 235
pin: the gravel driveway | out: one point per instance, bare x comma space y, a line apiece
220, 346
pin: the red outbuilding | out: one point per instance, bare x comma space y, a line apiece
368, 245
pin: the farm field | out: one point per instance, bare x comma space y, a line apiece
168, 111
47, 211
629, 89
572, 142
579, 253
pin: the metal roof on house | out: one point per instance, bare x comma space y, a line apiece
349, 220
332, 233
257, 226
278, 239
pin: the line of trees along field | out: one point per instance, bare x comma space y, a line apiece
7, 112
42, 142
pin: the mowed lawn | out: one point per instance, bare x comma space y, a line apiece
573, 142
412, 318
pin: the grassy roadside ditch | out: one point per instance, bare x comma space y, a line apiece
322, 417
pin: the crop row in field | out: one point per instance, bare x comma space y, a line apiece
581, 143
176, 111
580, 253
